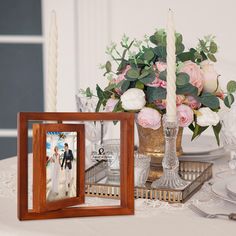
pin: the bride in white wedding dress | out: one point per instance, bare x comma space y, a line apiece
56, 170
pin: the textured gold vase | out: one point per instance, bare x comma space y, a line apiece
152, 143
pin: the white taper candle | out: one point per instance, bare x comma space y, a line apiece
51, 84
171, 69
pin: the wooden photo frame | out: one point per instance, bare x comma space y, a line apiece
40, 132
126, 206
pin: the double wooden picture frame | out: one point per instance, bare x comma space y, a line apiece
50, 129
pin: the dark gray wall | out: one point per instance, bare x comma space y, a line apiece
21, 66
20, 17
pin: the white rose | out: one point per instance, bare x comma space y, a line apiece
210, 77
133, 99
207, 117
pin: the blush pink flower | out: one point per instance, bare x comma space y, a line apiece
149, 118
195, 74
210, 77
161, 66
158, 82
192, 102
220, 95
161, 104
121, 77
110, 105
185, 115
179, 99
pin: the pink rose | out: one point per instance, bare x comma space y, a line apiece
121, 77
110, 105
185, 115
149, 118
195, 74
192, 102
161, 66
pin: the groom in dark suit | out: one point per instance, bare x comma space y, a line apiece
67, 159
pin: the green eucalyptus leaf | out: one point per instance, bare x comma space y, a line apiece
198, 56
217, 130
204, 57
148, 79
153, 39
198, 130
191, 127
209, 100
125, 85
231, 86
187, 89
132, 74
118, 107
162, 75
159, 38
110, 87
139, 85
108, 66
100, 93
213, 47
122, 65
88, 92
98, 106
179, 48
229, 100
186, 56
139, 61
144, 74
182, 79
211, 57
154, 93
178, 38
203, 45
160, 51
149, 54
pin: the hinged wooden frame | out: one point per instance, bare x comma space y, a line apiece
126, 206
40, 203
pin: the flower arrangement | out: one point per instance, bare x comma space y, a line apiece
139, 83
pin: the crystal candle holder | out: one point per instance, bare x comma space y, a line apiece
170, 163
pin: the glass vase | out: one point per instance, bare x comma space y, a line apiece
170, 163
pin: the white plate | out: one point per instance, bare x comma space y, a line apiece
203, 148
231, 187
213, 155
201, 145
219, 189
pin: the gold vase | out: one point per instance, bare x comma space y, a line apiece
152, 143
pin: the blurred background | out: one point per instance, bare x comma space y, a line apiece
85, 28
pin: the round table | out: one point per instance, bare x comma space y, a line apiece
151, 217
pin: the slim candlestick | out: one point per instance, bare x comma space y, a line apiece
171, 69
51, 85
170, 163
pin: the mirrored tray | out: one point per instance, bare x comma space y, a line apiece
194, 172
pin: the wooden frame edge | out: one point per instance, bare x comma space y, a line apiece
126, 206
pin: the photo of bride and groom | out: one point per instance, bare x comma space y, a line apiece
61, 165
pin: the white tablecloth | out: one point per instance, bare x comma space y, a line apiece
151, 217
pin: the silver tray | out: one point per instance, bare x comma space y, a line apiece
194, 172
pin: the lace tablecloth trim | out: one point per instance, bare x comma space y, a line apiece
8, 188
